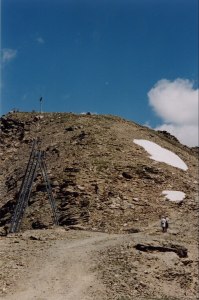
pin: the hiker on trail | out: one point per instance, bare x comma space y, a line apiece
163, 224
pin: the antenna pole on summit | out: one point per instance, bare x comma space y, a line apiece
40, 100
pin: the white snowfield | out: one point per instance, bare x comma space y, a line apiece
161, 154
175, 196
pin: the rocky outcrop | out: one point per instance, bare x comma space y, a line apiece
179, 250
168, 135
100, 179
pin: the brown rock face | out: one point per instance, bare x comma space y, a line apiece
100, 178
105, 183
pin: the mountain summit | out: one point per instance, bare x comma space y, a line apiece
107, 174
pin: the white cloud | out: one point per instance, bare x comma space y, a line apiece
176, 102
8, 55
40, 40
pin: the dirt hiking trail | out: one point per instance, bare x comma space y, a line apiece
59, 264
64, 270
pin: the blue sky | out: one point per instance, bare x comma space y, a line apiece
95, 55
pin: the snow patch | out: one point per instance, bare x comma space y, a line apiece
161, 154
175, 196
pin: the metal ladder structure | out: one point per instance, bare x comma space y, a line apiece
37, 159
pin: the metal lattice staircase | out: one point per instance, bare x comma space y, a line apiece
36, 160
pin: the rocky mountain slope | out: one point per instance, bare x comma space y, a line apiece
103, 181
